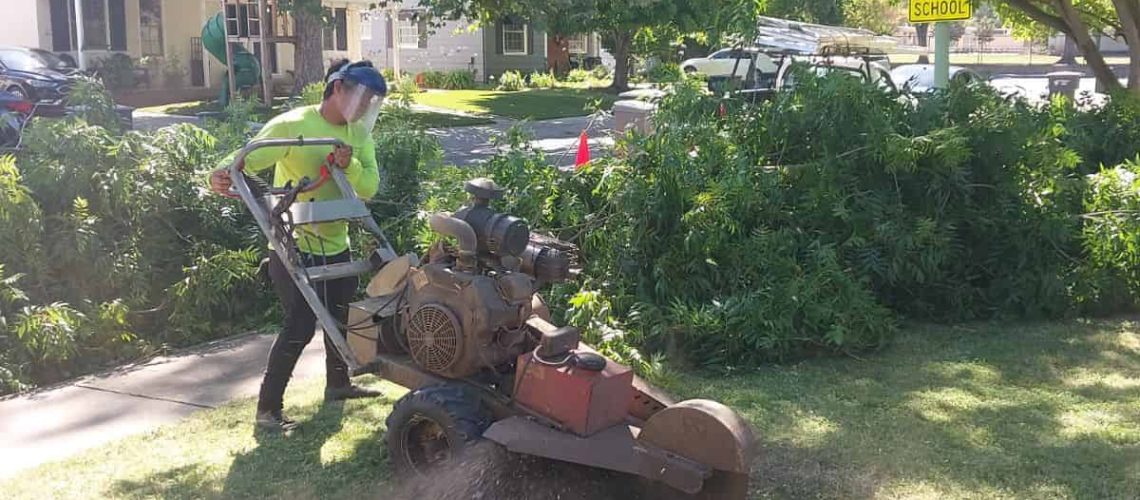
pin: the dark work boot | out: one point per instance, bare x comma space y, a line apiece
350, 392
274, 421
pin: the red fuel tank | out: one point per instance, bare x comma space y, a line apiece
583, 401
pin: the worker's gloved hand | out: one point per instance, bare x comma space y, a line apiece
220, 181
342, 155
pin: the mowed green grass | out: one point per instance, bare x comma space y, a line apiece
980, 411
532, 104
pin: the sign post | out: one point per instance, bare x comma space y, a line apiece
939, 12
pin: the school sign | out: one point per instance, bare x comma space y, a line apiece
928, 11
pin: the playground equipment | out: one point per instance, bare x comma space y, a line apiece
246, 69
468, 334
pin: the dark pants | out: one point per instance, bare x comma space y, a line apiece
300, 325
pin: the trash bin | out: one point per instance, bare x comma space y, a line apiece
1064, 83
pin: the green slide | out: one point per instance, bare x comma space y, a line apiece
247, 71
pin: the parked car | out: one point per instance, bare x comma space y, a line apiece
919, 78
35, 75
873, 69
722, 62
15, 111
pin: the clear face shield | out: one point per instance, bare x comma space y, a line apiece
360, 106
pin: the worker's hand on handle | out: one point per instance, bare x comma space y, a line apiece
220, 181
342, 155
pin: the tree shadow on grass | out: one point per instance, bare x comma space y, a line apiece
1043, 411
190, 482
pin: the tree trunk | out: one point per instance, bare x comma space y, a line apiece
621, 57
1129, 13
1086, 44
921, 31
1069, 56
308, 55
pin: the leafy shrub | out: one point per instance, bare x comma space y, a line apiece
433, 79
665, 73
542, 80
578, 75
452, 80
94, 104
511, 81
766, 231
219, 285
312, 93
600, 72
116, 71
459, 80
389, 74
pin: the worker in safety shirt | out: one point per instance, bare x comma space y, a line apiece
351, 104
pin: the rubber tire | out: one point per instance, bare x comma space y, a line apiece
18, 90
690, 70
451, 405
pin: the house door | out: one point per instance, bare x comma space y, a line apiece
197, 63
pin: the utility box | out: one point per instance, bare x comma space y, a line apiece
633, 114
1064, 83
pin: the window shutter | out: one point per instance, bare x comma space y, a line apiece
423, 29
118, 16
342, 29
498, 34
529, 40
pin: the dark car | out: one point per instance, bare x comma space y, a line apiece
36, 75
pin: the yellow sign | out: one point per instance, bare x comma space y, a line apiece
926, 11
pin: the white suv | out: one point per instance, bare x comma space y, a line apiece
722, 62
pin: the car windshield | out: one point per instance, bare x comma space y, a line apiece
50, 59
21, 60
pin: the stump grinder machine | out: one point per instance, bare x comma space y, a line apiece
467, 333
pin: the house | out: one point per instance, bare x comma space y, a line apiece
167, 33
402, 31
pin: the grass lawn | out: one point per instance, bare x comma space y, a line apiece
534, 104
431, 119
1002, 59
985, 411
427, 119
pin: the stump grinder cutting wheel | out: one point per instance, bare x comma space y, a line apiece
465, 330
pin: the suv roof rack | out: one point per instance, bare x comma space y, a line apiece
795, 38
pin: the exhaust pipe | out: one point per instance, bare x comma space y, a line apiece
461, 231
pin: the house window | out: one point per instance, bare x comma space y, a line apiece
336, 35
365, 26
514, 39
409, 34
243, 20
577, 44
150, 27
103, 21
95, 25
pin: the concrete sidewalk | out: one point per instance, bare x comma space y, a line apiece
55, 423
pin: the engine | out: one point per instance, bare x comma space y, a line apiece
473, 305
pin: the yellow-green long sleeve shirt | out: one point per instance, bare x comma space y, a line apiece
295, 163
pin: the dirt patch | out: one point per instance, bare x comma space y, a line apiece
488, 472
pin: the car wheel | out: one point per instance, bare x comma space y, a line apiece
18, 90
690, 69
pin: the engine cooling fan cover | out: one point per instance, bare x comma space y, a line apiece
434, 337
